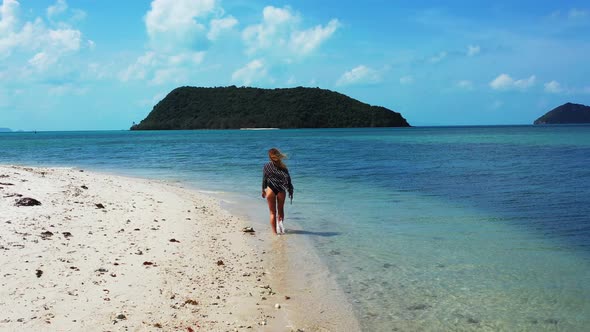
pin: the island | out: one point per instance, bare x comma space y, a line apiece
246, 107
568, 113
5, 130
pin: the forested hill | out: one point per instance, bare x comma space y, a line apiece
568, 113
233, 108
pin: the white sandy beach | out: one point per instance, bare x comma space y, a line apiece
152, 256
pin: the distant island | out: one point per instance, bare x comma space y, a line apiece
234, 108
566, 113
5, 130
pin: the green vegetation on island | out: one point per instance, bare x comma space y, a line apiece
566, 113
233, 108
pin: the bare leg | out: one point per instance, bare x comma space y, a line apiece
281, 204
271, 198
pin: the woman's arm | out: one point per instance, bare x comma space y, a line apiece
264, 182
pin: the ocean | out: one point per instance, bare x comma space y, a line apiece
424, 228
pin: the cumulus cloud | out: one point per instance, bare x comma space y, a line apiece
279, 32
553, 87
60, 7
220, 25
174, 24
8, 16
406, 80
359, 75
161, 68
306, 41
473, 50
35, 44
180, 32
505, 82
254, 71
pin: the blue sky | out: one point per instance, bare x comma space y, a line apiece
81, 65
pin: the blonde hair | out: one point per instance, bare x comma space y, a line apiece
277, 158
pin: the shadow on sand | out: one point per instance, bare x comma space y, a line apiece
302, 232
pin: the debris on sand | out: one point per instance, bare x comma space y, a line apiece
99, 206
248, 230
27, 201
46, 235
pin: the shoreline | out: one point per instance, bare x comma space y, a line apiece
156, 256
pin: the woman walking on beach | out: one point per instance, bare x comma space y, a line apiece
276, 183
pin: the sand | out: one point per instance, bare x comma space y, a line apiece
110, 253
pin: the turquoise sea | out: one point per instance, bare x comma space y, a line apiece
425, 228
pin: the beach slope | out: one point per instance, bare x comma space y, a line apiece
103, 252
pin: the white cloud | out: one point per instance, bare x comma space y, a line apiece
359, 75
254, 71
38, 46
178, 39
406, 80
42, 61
172, 24
219, 25
465, 84
65, 40
473, 50
305, 42
438, 58
279, 33
505, 82
8, 16
161, 68
553, 87
272, 32
59, 8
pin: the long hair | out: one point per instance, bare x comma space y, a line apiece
277, 158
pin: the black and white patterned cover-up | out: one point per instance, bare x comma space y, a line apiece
277, 179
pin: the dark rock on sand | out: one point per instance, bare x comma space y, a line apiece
39, 273
46, 235
99, 206
27, 201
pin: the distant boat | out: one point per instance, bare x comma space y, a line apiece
259, 128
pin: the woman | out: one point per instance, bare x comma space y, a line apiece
276, 182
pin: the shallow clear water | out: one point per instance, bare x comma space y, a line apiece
459, 228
